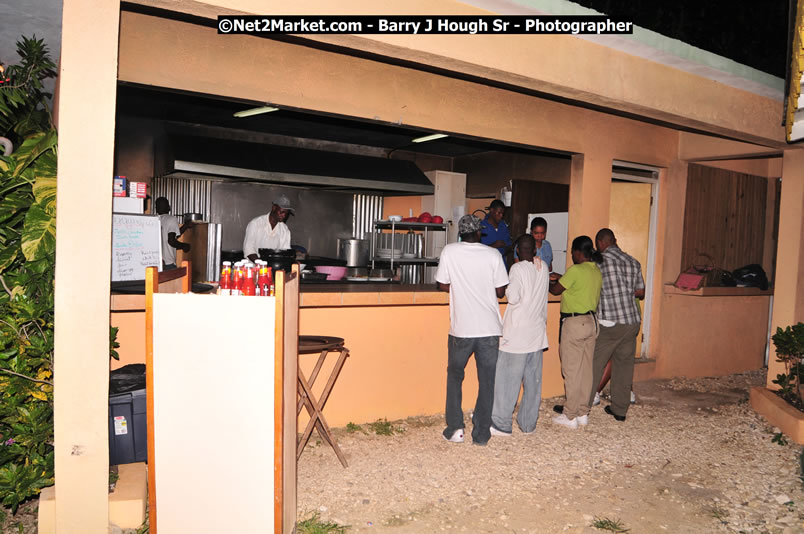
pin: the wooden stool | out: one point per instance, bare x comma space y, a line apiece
323, 345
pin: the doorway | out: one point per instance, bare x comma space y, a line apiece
632, 218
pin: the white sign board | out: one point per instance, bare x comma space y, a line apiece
214, 413
136, 244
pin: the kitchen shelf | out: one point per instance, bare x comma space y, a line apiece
390, 225
425, 229
432, 261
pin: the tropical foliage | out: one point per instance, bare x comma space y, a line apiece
27, 261
789, 345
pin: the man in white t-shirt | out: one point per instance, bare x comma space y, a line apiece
170, 233
475, 277
269, 230
523, 340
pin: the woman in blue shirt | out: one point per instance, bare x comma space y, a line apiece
543, 250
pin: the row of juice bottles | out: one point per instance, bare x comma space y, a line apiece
247, 279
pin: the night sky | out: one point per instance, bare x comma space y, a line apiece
753, 33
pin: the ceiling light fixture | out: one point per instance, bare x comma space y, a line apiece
255, 111
426, 138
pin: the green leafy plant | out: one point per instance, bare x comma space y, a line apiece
612, 525
352, 428
113, 344
720, 513
24, 107
382, 427
313, 524
27, 262
779, 439
789, 345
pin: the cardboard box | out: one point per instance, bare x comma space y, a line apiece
120, 187
128, 205
136, 189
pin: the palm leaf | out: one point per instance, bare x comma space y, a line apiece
39, 233
33, 147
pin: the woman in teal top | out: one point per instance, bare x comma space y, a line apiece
579, 288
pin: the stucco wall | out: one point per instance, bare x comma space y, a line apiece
712, 336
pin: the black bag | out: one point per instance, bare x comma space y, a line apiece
128, 378
750, 276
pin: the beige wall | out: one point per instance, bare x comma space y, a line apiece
398, 359
788, 301
712, 336
87, 85
568, 67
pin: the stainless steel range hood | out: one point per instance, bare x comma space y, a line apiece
256, 162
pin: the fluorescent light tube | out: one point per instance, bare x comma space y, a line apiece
255, 111
426, 138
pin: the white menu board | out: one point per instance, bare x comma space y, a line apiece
136, 244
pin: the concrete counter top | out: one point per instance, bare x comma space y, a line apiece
367, 294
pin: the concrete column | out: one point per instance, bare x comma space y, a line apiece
788, 294
590, 189
87, 91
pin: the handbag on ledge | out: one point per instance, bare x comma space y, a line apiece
701, 273
689, 280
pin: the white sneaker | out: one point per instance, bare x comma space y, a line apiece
457, 436
633, 398
499, 433
596, 401
583, 420
563, 420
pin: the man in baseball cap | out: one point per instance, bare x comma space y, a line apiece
269, 230
475, 277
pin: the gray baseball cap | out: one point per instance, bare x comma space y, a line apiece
284, 203
468, 224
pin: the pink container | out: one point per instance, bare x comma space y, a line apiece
333, 273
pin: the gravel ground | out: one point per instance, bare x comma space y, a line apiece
692, 457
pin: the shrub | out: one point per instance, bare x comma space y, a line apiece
27, 261
789, 345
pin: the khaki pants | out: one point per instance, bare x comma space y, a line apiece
576, 350
618, 344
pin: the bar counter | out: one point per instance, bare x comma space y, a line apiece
376, 294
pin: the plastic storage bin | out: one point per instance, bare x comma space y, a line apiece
128, 431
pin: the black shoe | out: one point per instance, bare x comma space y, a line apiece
620, 418
558, 408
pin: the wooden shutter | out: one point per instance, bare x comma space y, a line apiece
724, 217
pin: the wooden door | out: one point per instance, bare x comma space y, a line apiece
534, 197
629, 219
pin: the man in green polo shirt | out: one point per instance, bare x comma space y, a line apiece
580, 292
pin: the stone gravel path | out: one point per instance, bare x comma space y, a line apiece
692, 457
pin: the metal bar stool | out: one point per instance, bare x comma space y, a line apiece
323, 345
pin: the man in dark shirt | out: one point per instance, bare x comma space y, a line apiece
495, 230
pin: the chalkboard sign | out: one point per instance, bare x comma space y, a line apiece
136, 244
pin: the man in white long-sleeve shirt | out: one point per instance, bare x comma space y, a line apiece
269, 230
523, 341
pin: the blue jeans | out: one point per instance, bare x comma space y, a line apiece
459, 350
513, 371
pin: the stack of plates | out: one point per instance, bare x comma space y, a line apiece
388, 252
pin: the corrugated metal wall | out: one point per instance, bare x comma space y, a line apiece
365, 210
185, 195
